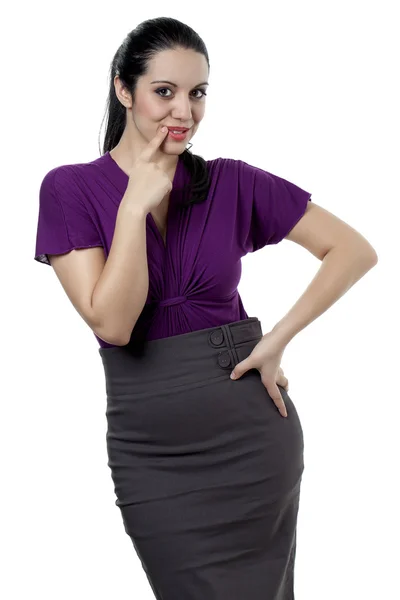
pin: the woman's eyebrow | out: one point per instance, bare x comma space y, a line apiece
174, 84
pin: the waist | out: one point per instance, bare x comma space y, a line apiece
179, 360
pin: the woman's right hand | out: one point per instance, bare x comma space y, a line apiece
148, 182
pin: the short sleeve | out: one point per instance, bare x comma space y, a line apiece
276, 205
64, 222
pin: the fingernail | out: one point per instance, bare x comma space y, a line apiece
232, 375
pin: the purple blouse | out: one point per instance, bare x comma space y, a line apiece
193, 278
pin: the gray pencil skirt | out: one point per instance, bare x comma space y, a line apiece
206, 471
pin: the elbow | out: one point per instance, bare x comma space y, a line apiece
366, 260
374, 257
114, 333
359, 258
368, 252
370, 257
113, 338
119, 341
364, 254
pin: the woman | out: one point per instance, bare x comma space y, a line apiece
147, 242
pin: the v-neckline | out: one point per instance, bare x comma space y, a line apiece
166, 225
124, 178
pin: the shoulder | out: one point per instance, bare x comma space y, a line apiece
235, 164
68, 177
64, 189
238, 173
222, 161
222, 165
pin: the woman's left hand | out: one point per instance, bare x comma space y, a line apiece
266, 357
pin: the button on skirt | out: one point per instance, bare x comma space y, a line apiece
206, 471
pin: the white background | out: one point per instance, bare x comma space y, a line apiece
305, 90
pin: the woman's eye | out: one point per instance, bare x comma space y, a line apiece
163, 96
161, 90
204, 93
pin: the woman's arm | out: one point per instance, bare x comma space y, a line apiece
346, 257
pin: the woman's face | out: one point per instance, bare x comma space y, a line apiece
180, 105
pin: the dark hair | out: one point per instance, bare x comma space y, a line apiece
131, 62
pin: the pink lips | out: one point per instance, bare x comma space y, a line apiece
181, 129
179, 137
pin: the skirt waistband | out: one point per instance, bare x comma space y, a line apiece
179, 360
